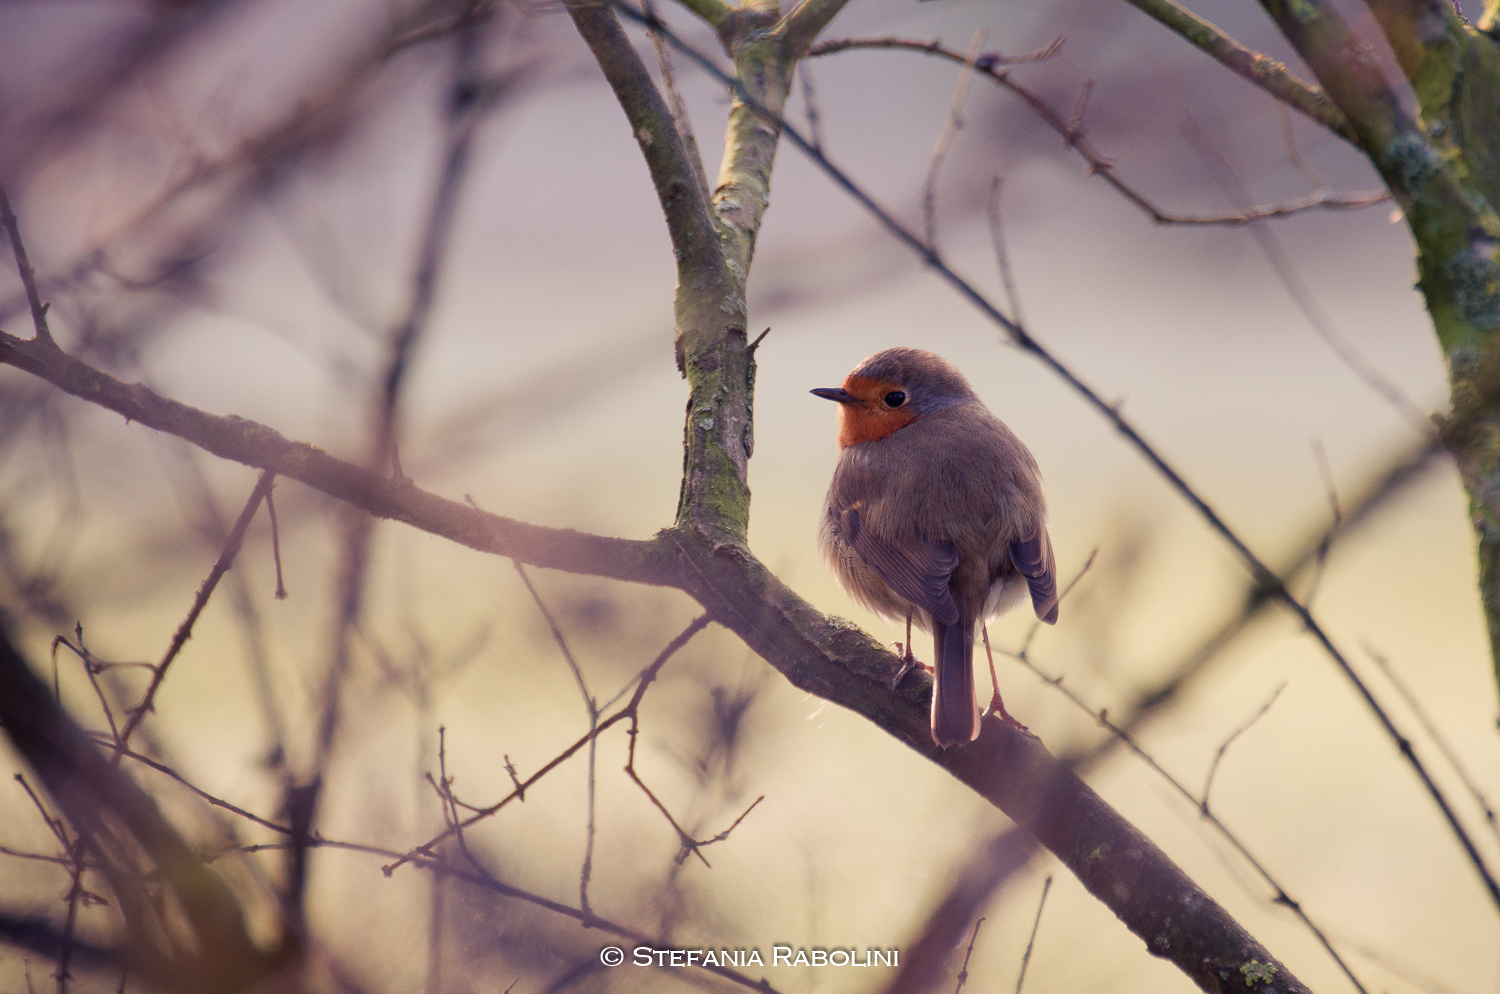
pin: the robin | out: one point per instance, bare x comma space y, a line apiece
936, 515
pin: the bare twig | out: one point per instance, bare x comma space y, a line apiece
275, 543
1281, 896
1002, 256
1264, 71
217, 802
963, 971
810, 106
674, 99
91, 668
951, 127
1041, 905
1262, 574
1099, 165
185, 630
647, 675
585, 874
1213, 767
23, 265
1313, 177
1437, 738
1296, 288
1321, 562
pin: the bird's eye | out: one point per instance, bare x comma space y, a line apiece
895, 398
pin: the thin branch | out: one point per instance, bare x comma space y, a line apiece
674, 100
1099, 165
1281, 895
925, 959
91, 669
557, 637
1031, 942
1024, 341
1002, 256
647, 675
1262, 70
592, 707
806, 21
482, 880
23, 265
1437, 739
395, 498
1302, 295
275, 543
217, 802
810, 106
1213, 768
963, 971
185, 630
1321, 563
1313, 177
35, 856
951, 127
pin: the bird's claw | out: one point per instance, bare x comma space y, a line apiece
908, 663
997, 707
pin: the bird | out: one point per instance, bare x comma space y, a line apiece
936, 515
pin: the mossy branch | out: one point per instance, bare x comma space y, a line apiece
1443, 169
712, 12
1262, 70
802, 26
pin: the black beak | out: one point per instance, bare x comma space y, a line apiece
835, 393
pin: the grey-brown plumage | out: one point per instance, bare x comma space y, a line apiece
936, 514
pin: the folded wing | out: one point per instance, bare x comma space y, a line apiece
1033, 560
916, 570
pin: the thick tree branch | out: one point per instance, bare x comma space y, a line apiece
710, 298
825, 656
803, 25
712, 11
1262, 70
1262, 574
839, 662
684, 201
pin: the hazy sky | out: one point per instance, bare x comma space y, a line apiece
545, 389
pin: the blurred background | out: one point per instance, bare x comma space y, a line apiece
226, 202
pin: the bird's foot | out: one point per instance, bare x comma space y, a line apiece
997, 707
908, 663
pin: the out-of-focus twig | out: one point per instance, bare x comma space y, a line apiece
951, 126
1099, 165
1264, 577
1036, 925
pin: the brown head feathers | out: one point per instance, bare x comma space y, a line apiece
893, 388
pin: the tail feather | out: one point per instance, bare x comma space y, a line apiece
955, 715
